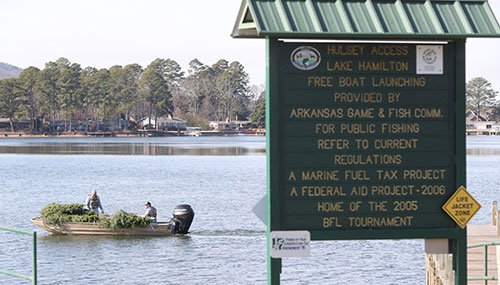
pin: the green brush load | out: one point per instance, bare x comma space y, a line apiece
56, 214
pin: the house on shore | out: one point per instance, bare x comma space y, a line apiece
164, 123
228, 125
89, 125
480, 125
19, 124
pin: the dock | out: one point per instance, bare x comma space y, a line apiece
482, 234
439, 266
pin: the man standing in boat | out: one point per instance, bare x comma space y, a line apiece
93, 202
150, 212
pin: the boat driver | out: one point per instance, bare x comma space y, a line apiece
150, 212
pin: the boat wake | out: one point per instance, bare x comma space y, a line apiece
229, 233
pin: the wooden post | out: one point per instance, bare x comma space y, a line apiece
495, 216
494, 220
498, 223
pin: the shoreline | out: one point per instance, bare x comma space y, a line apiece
138, 134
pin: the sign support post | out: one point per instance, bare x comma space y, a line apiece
273, 145
460, 253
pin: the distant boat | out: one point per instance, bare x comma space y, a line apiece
193, 132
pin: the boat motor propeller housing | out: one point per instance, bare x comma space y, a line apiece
183, 217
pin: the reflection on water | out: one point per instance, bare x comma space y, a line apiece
483, 145
137, 146
483, 151
480, 145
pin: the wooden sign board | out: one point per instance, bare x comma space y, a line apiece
367, 137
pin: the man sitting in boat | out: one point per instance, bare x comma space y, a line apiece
150, 212
93, 202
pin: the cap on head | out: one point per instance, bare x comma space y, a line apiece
147, 204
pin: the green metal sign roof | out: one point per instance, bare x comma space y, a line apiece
391, 19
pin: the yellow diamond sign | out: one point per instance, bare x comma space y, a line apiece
461, 207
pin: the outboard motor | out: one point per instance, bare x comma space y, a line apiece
183, 216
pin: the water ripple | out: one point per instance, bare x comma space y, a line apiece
229, 233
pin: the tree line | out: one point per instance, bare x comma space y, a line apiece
65, 91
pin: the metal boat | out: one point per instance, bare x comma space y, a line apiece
153, 229
180, 223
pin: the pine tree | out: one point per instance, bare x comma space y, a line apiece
479, 95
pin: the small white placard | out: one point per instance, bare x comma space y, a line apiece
429, 59
290, 244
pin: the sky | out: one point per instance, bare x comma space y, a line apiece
103, 33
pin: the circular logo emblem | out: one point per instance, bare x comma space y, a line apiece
429, 56
305, 58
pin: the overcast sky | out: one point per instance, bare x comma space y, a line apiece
103, 33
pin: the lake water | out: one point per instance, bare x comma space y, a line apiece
222, 178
